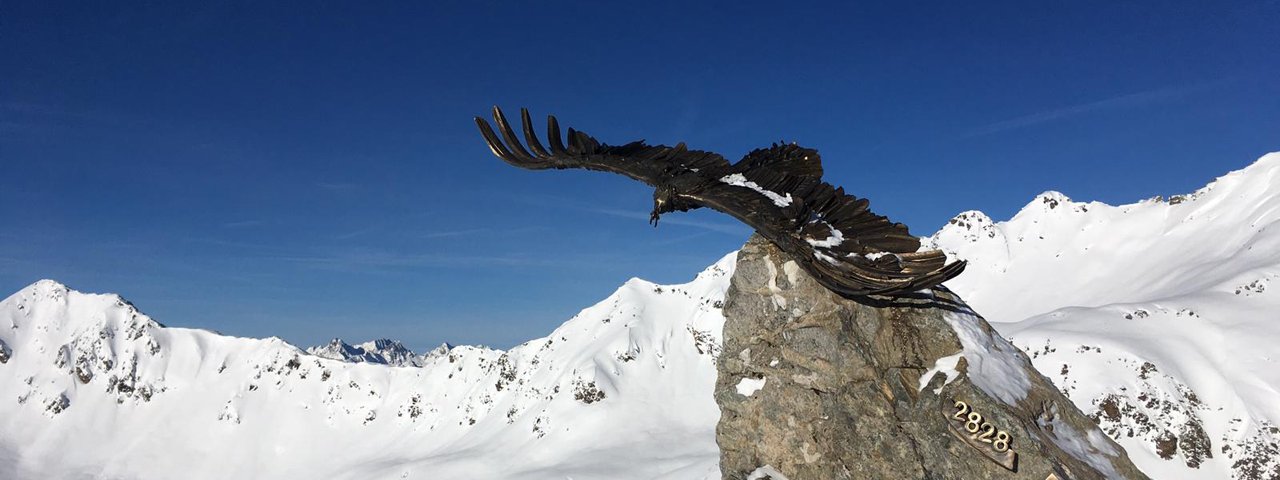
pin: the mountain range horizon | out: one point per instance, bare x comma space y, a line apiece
1162, 305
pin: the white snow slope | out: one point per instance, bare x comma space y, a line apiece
1160, 317
92, 388
1157, 317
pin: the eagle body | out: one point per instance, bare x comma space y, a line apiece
778, 191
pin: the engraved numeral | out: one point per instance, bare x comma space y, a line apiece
975, 421
987, 431
964, 410
1002, 442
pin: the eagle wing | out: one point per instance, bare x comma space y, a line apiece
647, 163
832, 235
777, 191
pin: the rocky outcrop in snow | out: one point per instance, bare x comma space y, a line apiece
818, 386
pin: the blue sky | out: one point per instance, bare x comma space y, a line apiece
312, 171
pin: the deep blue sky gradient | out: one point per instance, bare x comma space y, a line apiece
312, 171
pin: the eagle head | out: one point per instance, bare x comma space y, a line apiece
664, 201
667, 199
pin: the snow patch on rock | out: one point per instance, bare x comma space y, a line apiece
991, 359
947, 366
749, 386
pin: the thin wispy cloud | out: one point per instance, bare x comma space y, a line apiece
14, 261
11, 127
372, 261
441, 234
236, 244
26, 113
671, 219
385, 261
244, 224
33, 120
354, 233
1114, 103
456, 233
678, 240
337, 186
38, 109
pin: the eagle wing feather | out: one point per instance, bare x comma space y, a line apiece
637, 160
778, 191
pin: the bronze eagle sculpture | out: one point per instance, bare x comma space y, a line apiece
777, 191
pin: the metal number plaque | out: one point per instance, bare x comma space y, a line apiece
972, 428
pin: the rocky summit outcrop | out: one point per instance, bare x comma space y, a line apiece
815, 386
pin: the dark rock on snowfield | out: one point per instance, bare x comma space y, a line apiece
816, 386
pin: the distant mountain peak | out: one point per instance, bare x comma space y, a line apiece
383, 351
46, 283
1052, 198
46, 288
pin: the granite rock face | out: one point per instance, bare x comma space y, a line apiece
815, 386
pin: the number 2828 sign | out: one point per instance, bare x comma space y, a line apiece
971, 426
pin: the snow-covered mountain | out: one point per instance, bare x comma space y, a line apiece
1161, 317
384, 351
1158, 317
90, 387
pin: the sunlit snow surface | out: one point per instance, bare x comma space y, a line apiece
1162, 312
622, 390
1167, 309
